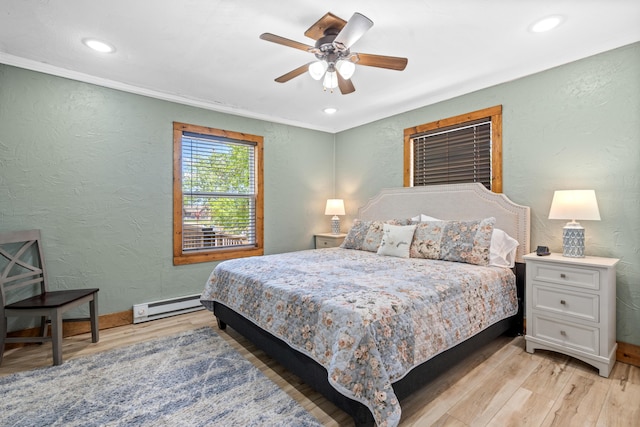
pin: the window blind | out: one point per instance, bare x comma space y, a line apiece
454, 155
219, 192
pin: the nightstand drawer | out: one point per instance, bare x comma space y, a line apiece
566, 334
582, 306
329, 240
325, 242
579, 277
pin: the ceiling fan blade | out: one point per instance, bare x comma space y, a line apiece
345, 85
381, 61
351, 33
293, 73
286, 42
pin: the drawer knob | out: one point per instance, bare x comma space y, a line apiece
563, 302
563, 276
563, 333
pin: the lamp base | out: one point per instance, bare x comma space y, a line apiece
335, 225
573, 240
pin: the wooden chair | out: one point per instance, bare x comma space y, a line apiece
23, 274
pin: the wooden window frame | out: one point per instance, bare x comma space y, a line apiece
179, 256
494, 113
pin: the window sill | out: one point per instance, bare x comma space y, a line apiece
217, 255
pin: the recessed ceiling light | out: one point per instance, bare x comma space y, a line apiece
330, 110
546, 24
99, 46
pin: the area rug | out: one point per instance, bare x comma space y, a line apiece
191, 379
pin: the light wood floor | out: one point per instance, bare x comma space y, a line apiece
498, 385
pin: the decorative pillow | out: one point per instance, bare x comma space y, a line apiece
373, 238
356, 235
426, 240
396, 240
459, 241
503, 247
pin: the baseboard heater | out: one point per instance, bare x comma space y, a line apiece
165, 308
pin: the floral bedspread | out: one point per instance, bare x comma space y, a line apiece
368, 319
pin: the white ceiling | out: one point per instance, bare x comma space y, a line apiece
207, 52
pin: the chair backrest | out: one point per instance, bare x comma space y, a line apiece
21, 263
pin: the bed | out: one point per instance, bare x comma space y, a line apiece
368, 323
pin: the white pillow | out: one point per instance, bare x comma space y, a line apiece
502, 252
424, 218
396, 240
503, 249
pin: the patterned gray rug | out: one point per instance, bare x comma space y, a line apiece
191, 379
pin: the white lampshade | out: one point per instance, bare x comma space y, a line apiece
574, 205
330, 80
317, 69
345, 68
334, 207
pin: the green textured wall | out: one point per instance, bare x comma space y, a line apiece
573, 127
92, 168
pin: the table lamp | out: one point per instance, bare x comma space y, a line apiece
335, 207
574, 205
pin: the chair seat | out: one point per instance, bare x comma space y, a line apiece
51, 299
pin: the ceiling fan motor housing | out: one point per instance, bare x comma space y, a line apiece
328, 51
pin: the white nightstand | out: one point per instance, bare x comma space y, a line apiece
329, 240
571, 307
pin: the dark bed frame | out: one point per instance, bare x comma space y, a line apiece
315, 375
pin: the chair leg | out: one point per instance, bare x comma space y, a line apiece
3, 335
93, 312
56, 336
43, 327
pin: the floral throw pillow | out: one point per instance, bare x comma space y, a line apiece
459, 241
427, 239
356, 235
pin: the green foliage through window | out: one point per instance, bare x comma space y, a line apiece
218, 186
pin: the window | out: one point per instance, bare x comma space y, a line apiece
465, 148
217, 194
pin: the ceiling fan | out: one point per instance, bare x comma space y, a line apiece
335, 63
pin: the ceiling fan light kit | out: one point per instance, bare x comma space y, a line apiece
335, 64
330, 80
346, 68
317, 69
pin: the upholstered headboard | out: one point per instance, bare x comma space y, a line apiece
452, 202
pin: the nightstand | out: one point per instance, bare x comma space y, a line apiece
571, 307
329, 240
